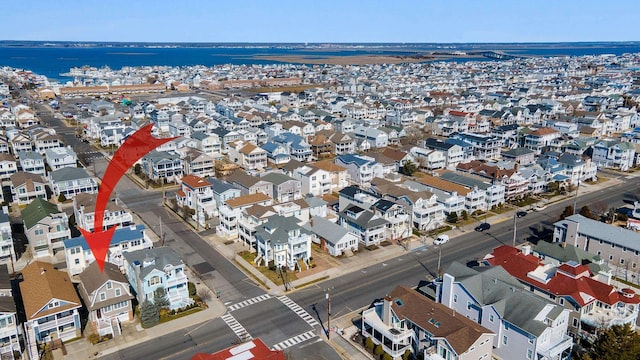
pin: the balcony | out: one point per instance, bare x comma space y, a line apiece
555, 351
608, 317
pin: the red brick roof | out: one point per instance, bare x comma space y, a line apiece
195, 182
569, 280
252, 350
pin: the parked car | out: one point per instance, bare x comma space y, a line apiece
483, 227
521, 214
441, 240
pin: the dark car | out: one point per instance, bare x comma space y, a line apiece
483, 227
521, 214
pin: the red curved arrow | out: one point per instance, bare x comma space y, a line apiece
135, 147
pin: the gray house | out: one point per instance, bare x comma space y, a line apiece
285, 188
222, 191
332, 237
70, 181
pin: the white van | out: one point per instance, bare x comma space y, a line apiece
441, 240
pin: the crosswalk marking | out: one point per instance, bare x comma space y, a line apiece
248, 302
237, 328
294, 340
298, 310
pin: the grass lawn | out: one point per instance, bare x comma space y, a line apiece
499, 210
270, 274
601, 179
525, 202
168, 317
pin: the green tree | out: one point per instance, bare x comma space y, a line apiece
452, 217
619, 342
465, 215
553, 187
386, 356
149, 315
137, 169
568, 211
160, 299
62, 198
192, 288
368, 344
408, 355
408, 168
378, 350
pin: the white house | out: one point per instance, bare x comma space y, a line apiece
283, 241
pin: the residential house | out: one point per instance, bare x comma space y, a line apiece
342, 144
493, 192
374, 137
70, 181
8, 167
277, 154
84, 208
78, 254
32, 162
515, 185
520, 155
196, 162
7, 252
222, 191
331, 237
285, 188
249, 184
231, 209
526, 325
44, 139
571, 284
484, 147
197, 194
614, 155
281, 240
296, 145
162, 166
148, 270
51, 306
21, 142
247, 155
46, 228
313, 180
399, 224
406, 320
208, 143
339, 175
617, 246
60, 157
369, 227
360, 169
26, 186
540, 139
9, 331
250, 219
107, 297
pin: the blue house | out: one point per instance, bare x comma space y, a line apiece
149, 270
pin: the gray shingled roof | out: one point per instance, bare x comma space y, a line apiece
326, 229
68, 173
506, 294
601, 231
162, 256
276, 229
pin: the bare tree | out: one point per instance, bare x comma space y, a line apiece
204, 294
599, 208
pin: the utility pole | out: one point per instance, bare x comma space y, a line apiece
515, 217
575, 199
161, 232
328, 296
439, 258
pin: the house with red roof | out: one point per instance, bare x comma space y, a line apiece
571, 285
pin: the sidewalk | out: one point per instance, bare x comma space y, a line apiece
133, 334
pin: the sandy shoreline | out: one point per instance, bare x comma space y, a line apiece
359, 59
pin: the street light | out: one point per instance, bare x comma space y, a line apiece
328, 297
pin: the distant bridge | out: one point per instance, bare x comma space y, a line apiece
498, 55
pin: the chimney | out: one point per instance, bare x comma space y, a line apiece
386, 310
526, 250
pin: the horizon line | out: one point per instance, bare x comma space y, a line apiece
325, 42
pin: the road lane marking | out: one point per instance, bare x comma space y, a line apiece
237, 328
248, 302
298, 310
295, 340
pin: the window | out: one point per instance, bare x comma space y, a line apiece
530, 340
610, 257
155, 280
455, 298
109, 285
468, 305
621, 261
529, 354
575, 322
118, 292
561, 301
103, 296
77, 261
504, 340
491, 317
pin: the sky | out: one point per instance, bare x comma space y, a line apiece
323, 21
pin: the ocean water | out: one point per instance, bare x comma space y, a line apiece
53, 61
